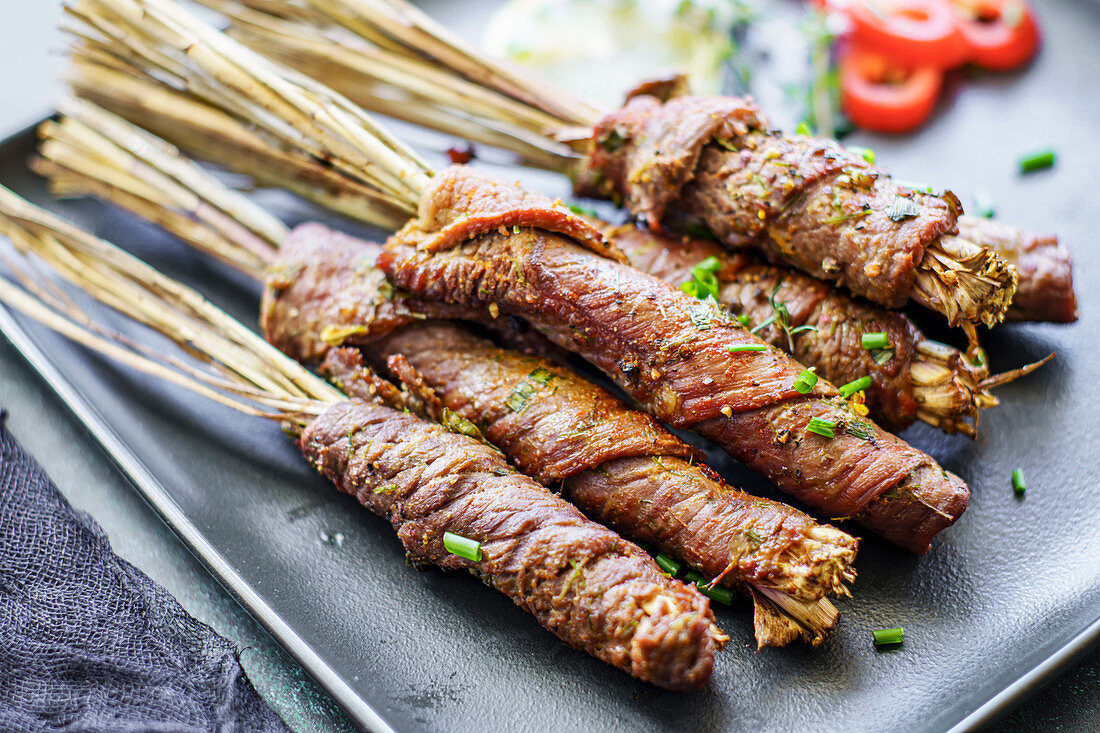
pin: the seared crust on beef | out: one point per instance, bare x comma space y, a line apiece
1045, 290
323, 289
559, 427
583, 582
618, 465
802, 201
747, 287
670, 352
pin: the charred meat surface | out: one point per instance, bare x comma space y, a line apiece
671, 353
583, 582
834, 322
619, 465
805, 202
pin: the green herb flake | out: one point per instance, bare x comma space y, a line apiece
882, 357
704, 279
667, 564
385, 489
902, 208
1018, 484
581, 211
865, 153
859, 429
984, 205
742, 348
875, 340
714, 592
803, 129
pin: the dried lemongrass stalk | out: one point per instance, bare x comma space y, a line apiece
125, 283
965, 282
118, 161
390, 83
952, 390
181, 314
170, 45
399, 25
209, 133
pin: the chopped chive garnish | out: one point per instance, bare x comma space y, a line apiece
858, 429
803, 129
667, 564
581, 211
886, 637
714, 592
456, 544
855, 386
983, 205
802, 329
1018, 484
761, 326
875, 340
824, 428
1037, 161
743, 319
882, 356
747, 347
704, 280
806, 381
865, 153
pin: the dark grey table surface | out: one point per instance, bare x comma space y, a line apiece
28, 51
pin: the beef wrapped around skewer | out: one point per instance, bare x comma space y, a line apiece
802, 201
618, 465
671, 159
672, 357
912, 377
587, 585
481, 242
916, 379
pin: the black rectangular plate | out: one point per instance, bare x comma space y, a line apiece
1004, 600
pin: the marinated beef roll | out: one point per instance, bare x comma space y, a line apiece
618, 465
1044, 265
800, 200
593, 589
912, 379
587, 585
686, 361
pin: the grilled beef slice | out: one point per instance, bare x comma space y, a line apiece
670, 352
1045, 291
748, 287
594, 590
802, 201
619, 465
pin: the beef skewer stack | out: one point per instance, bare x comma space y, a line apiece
587, 585
914, 378
390, 57
619, 466
483, 244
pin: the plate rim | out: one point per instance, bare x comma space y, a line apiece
158, 497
